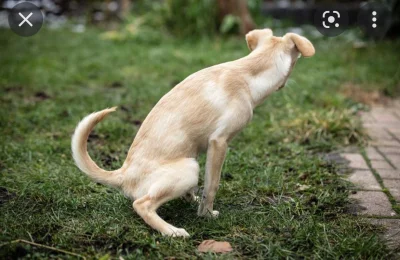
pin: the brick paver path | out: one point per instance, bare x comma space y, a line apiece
376, 170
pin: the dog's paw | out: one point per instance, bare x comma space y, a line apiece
215, 213
209, 214
176, 232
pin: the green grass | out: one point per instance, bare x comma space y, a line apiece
277, 199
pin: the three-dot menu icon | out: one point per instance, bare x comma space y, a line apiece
374, 19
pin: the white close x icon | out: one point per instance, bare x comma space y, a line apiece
25, 19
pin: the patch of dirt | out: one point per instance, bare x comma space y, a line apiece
359, 94
108, 159
17, 88
125, 108
13, 251
227, 176
137, 122
116, 84
95, 140
128, 111
41, 95
93, 136
5, 195
65, 113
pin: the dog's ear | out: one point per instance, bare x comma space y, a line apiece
254, 37
303, 45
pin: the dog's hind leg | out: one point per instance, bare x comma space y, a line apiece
170, 181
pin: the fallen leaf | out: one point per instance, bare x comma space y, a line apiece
214, 246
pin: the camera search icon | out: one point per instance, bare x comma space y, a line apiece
331, 21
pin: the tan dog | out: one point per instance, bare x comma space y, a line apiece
202, 113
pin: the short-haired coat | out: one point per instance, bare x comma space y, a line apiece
202, 113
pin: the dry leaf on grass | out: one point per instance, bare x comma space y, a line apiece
214, 246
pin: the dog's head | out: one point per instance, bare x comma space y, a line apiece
290, 42
289, 47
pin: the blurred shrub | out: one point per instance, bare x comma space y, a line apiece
141, 30
190, 17
180, 17
255, 11
230, 24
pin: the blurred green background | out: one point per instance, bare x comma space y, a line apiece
279, 198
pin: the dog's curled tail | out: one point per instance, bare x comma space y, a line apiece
81, 156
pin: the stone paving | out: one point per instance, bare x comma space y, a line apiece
376, 170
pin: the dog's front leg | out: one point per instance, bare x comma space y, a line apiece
215, 158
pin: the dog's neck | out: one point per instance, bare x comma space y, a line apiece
266, 74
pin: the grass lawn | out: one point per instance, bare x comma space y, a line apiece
277, 198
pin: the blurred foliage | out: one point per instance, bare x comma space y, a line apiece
140, 30
188, 17
230, 23
180, 17
255, 11
192, 17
